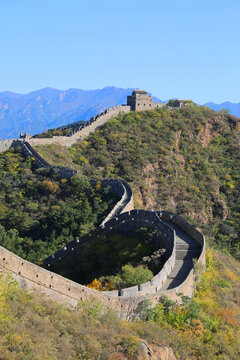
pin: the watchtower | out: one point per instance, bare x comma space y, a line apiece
180, 103
140, 100
25, 136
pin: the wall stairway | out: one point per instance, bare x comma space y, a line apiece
187, 250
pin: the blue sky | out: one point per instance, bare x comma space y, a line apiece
187, 49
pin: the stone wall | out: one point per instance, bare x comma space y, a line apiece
28, 151
81, 133
36, 278
64, 290
5, 144
84, 129
128, 223
189, 229
124, 191
186, 287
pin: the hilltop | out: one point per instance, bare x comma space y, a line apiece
182, 160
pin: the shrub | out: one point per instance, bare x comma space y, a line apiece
131, 276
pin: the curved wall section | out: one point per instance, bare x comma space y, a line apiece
127, 223
66, 291
135, 219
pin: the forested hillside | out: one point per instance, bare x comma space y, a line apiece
184, 160
40, 212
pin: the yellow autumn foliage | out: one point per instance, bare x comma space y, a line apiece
95, 284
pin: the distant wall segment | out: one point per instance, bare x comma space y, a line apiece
84, 130
77, 135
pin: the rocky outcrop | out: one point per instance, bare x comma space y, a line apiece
152, 351
148, 351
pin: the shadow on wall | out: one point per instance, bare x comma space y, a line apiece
126, 239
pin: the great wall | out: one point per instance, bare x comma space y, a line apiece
185, 246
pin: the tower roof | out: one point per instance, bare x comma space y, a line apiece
138, 91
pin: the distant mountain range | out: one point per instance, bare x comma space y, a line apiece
233, 108
50, 108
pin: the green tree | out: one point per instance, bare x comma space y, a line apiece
130, 276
